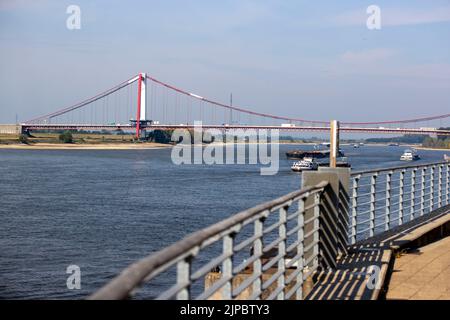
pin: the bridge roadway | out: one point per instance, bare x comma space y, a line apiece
380, 130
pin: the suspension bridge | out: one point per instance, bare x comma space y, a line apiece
143, 103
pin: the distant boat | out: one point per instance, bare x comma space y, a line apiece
409, 155
356, 145
305, 164
394, 144
341, 162
446, 158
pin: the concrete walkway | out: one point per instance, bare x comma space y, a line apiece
423, 274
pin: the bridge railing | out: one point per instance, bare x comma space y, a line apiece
267, 252
381, 199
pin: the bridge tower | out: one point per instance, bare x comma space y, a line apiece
141, 117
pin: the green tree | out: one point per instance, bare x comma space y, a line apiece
23, 139
66, 137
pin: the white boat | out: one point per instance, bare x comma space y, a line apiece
446, 158
305, 164
409, 155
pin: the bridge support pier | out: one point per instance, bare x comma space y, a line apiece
141, 115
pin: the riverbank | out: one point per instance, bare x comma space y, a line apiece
432, 149
86, 146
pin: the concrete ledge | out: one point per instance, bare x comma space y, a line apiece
430, 232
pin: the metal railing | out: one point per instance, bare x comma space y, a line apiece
381, 199
267, 252
276, 249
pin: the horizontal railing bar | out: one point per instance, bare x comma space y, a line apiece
368, 171
293, 215
209, 266
216, 286
245, 284
294, 245
293, 275
311, 232
272, 244
271, 280
380, 224
275, 292
272, 261
244, 264
244, 244
310, 259
273, 227
294, 230
362, 231
309, 220
172, 291
310, 272
310, 246
364, 221
294, 260
293, 290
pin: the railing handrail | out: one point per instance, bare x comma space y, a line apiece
426, 164
136, 273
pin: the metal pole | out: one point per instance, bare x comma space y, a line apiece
401, 195
387, 218
334, 142
355, 208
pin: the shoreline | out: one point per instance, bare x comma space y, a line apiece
432, 149
86, 146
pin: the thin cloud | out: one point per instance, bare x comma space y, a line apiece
367, 56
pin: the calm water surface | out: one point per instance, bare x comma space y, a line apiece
102, 210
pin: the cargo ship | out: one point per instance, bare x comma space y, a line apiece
316, 154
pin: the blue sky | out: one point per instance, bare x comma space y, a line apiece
306, 59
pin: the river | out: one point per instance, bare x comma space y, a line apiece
103, 209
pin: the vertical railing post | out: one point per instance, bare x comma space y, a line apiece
257, 251
183, 277
300, 247
439, 186
422, 191
401, 191
354, 221
227, 266
447, 187
282, 252
431, 200
373, 189
387, 218
316, 225
413, 193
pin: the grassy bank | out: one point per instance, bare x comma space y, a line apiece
79, 141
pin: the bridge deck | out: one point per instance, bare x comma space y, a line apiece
352, 279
